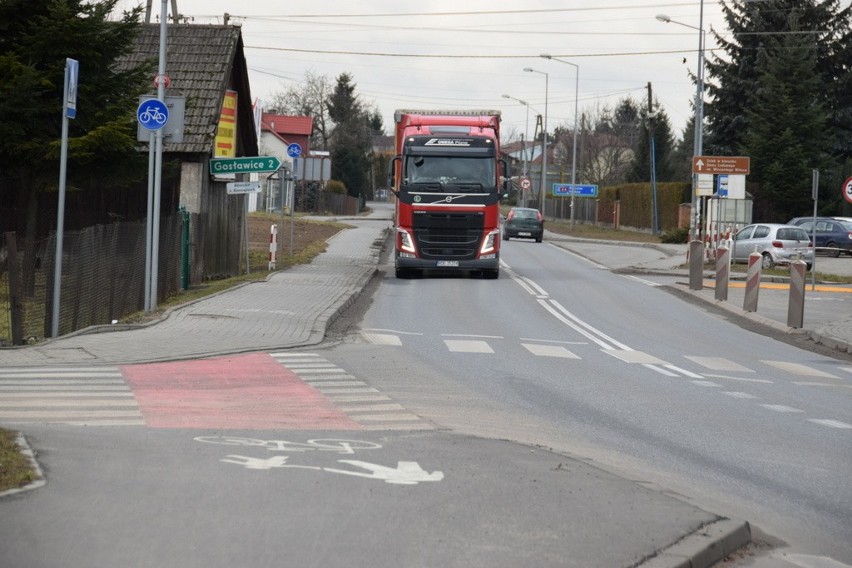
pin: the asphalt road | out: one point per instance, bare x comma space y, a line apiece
562, 352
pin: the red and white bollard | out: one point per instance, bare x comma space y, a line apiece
752, 288
273, 246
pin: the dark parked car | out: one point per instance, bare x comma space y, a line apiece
832, 236
523, 222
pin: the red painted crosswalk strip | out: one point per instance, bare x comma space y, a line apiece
238, 392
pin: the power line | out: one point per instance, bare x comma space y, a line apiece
445, 56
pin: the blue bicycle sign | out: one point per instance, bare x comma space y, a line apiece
294, 150
152, 114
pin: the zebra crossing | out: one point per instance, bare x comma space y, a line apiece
78, 396
362, 403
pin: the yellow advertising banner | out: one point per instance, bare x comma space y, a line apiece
226, 131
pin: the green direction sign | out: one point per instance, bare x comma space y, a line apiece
244, 165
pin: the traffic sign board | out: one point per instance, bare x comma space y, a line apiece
721, 165
578, 190
239, 187
244, 165
847, 189
526, 183
294, 150
152, 114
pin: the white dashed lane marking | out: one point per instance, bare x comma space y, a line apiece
549, 351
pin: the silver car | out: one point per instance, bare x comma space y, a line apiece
777, 244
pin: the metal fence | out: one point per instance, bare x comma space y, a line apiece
103, 273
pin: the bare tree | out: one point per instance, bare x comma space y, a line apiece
307, 99
605, 153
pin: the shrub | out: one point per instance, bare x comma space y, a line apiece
335, 186
675, 236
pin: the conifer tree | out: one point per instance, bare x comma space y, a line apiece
351, 145
36, 37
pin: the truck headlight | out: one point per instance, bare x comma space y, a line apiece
489, 243
404, 240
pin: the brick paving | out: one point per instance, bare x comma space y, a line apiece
292, 308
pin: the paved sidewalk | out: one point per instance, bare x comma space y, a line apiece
292, 308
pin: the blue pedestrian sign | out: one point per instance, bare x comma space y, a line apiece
152, 114
294, 150
575, 189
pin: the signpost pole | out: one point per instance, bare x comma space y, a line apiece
158, 159
69, 110
149, 220
815, 197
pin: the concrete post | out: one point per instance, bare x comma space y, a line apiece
723, 272
752, 287
796, 305
696, 265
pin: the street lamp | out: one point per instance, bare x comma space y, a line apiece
526, 128
576, 102
544, 139
698, 146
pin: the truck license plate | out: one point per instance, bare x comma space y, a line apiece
448, 263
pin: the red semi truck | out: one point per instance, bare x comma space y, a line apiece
448, 179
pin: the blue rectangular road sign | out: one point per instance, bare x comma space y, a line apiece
578, 190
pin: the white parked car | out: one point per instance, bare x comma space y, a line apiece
777, 244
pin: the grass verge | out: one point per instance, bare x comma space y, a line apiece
15, 467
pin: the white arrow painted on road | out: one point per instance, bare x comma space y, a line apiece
405, 473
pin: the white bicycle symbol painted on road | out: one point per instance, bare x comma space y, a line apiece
317, 445
404, 473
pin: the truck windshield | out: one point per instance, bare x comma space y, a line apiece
450, 173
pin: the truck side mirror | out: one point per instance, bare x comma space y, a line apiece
395, 162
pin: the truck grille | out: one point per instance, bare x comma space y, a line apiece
448, 235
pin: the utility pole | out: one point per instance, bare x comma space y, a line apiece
655, 226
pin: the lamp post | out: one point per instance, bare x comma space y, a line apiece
526, 137
576, 103
544, 139
698, 145
526, 128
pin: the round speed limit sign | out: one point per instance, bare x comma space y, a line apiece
847, 190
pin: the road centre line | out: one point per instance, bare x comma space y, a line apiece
830, 423
660, 370
580, 256
686, 373
781, 408
594, 330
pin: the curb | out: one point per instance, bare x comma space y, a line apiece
703, 548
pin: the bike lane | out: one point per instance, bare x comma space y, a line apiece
203, 497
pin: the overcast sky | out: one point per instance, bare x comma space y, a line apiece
467, 54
